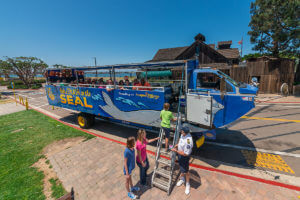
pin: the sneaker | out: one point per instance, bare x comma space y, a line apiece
180, 182
135, 189
187, 189
131, 195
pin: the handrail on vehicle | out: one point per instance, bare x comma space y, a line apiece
104, 86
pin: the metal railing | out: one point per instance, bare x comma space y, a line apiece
120, 87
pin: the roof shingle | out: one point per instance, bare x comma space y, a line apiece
230, 53
168, 53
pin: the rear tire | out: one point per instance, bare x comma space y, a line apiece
85, 120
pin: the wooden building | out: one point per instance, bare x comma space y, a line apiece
270, 72
206, 53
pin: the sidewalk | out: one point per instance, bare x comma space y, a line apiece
8, 106
275, 98
94, 169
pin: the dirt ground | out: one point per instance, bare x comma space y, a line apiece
44, 165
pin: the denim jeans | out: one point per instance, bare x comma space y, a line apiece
143, 171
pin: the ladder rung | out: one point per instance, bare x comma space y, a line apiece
164, 185
163, 172
164, 152
164, 161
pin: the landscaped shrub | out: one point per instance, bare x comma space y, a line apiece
19, 86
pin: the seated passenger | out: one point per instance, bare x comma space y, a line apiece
68, 78
93, 83
121, 85
61, 77
143, 85
64, 82
135, 83
56, 78
109, 86
101, 83
127, 85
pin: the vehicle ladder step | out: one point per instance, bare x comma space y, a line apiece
166, 153
163, 172
164, 161
164, 185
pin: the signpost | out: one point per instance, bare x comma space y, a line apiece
13, 87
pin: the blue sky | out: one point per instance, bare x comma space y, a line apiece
71, 32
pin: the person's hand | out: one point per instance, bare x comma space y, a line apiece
127, 176
157, 138
143, 164
174, 149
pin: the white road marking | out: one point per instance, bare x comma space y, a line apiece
254, 149
263, 105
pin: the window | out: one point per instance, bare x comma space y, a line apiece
208, 80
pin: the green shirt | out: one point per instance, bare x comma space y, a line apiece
166, 116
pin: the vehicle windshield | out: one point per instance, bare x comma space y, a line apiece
229, 79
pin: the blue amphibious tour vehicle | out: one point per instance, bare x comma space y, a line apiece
205, 98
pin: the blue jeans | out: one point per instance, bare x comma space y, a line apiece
143, 171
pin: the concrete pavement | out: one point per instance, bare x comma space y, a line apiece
241, 133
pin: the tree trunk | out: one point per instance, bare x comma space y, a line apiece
275, 52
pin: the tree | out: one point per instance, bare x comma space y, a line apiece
275, 26
26, 68
3, 69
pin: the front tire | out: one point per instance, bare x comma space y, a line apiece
85, 120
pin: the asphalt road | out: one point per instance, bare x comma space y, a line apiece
274, 130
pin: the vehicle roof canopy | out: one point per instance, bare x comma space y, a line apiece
148, 65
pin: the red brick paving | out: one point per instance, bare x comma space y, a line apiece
95, 169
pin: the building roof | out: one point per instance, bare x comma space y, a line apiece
169, 53
229, 42
230, 53
212, 46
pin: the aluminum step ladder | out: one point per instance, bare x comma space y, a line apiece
165, 161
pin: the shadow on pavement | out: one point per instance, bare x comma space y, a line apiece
208, 153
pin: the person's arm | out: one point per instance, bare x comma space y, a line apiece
125, 166
140, 158
179, 152
152, 140
160, 116
187, 150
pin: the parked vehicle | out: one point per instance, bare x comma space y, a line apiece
206, 98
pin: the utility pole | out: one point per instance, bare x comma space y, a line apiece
95, 59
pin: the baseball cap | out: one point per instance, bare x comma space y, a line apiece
185, 129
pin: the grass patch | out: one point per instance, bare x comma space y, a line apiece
18, 180
57, 188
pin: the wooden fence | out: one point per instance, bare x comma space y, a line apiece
271, 73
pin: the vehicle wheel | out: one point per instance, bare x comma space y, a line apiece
83, 120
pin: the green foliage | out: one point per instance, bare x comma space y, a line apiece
252, 55
26, 68
275, 26
257, 55
20, 150
22, 86
57, 188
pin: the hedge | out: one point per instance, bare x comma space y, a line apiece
19, 86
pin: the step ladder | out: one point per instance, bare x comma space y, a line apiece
165, 161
